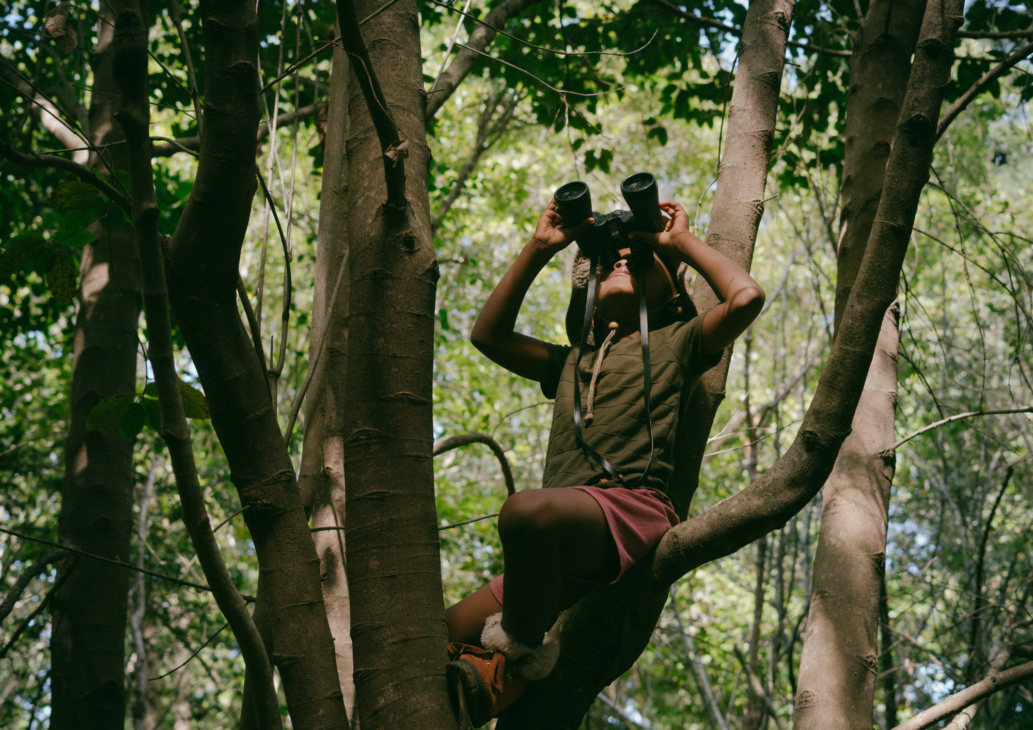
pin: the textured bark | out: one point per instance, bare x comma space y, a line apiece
839, 660
394, 569
606, 639
134, 116
201, 269
464, 60
321, 480
90, 609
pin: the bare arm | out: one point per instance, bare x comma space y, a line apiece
741, 297
493, 332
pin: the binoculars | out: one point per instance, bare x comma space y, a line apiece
610, 231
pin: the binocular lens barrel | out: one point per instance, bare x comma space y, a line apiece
574, 202
642, 196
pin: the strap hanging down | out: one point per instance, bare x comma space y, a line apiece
643, 316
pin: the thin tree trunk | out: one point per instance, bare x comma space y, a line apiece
202, 261
321, 480
394, 569
90, 609
839, 660
563, 698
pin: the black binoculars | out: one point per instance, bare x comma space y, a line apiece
609, 233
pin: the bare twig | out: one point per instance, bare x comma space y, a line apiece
454, 442
192, 144
562, 92
25, 578
80, 171
467, 522
252, 323
300, 397
758, 687
16, 634
995, 35
958, 417
968, 696
176, 669
980, 86
293, 68
194, 93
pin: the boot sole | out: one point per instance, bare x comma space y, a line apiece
464, 679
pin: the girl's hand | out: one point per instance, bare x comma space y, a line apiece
553, 234
677, 239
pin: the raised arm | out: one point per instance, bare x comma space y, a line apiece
493, 332
741, 297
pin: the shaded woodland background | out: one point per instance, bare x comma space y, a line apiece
955, 603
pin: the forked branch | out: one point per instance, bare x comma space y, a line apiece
395, 150
980, 86
454, 442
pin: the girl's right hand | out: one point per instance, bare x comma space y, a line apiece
553, 234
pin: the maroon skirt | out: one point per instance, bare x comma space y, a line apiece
637, 519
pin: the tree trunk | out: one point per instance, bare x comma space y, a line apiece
394, 569
321, 480
90, 609
563, 698
840, 654
201, 268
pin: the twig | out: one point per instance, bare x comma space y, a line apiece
296, 65
115, 561
451, 44
454, 442
995, 35
300, 398
543, 48
16, 634
194, 93
80, 171
536, 78
225, 521
977, 88
176, 669
710, 23
968, 696
958, 417
25, 578
467, 522
252, 323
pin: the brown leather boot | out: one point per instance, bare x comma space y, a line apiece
478, 684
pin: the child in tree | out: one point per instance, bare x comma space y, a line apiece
584, 527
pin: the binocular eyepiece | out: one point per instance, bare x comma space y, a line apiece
609, 232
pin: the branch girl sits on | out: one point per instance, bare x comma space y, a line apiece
585, 527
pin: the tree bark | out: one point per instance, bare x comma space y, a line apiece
604, 654
90, 609
839, 660
394, 569
201, 268
321, 480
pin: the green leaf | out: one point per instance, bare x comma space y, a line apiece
108, 411
194, 403
659, 134
131, 423
112, 218
153, 412
74, 195
74, 239
20, 253
443, 317
63, 277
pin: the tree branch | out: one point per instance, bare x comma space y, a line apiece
193, 144
130, 63
980, 86
454, 442
464, 60
995, 35
710, 23
968, 696
16, 634
25, 578
958, 417
394, 149
59, 163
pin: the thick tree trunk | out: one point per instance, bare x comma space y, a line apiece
321, 480
394, 569
201, 268
562, 700
840, 654
90, 609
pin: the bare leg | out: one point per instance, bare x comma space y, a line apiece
466, 618
546, 532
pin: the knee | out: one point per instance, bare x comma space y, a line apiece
527, 515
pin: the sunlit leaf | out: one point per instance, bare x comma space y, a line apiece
194, 403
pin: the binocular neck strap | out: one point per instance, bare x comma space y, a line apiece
643, 315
